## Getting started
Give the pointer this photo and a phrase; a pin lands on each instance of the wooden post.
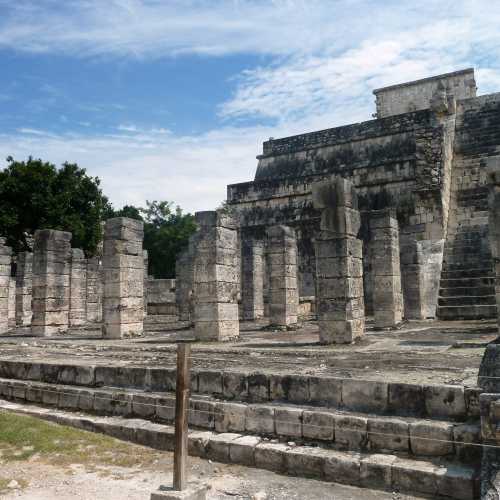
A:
(181, 416)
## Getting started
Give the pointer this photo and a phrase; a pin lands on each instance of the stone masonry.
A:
(51, 282)
(145, 257)
(94, 289)
(12, 302)
(252, 291)
(184, 282)
(5, 266)
(215, 277)
(282, 270)
(339, 264)
(494, 221)
(24, 288)
(123, 270)
(387, 294)
(78, 288)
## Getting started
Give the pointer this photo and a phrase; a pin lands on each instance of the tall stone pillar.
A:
(413, 278)
(215, 277)
(12, 302)
(387, 294)
(123, 270)
(145, 257)
(339, 263)
(184, 282)
(24, 288)
(493, 167)
(51, 282)
(78, 288)
(5, 269)
(282, 270)
(94, 290)
(252, 290)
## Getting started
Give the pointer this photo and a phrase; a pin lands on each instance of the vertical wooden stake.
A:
(181, 416)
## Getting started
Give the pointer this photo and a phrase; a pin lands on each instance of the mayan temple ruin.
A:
(342, 308)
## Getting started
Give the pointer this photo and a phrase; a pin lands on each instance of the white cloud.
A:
(325, 58)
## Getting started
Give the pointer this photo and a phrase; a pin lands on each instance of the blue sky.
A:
(172, 100)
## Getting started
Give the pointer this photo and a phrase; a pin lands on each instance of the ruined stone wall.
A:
(24, 288)
(401, 162)
(413, 96)
(161, 297)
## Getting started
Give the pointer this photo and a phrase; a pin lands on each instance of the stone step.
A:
(340, 429)
(466, 312)
(478, 282)
(480, 272)
(466, 300)
(450, 402)
(459, 291)
(467, 261)
(371, 470)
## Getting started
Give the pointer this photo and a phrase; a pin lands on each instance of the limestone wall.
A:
(413, 96)
(161, 297)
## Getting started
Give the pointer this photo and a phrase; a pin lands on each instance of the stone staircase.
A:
(398, 437)
(467, 279)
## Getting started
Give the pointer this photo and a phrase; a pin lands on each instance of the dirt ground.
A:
(42, 466)
(419, 352)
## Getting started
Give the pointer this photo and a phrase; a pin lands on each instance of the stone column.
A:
(184, 282)
(413, 277)
(123, 270)
(339, 263)
(252, 290)
(215, 277)
(51, 282)
(145, 258)
(94, 290)
(282, 270)
(12, 303)
(78, 289)
(387, 294)
(493, 169)
(5, 269)
(24, 288)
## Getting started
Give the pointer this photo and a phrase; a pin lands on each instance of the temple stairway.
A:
(467, 278)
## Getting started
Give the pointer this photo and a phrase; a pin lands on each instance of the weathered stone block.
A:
(242, 450)
(260, 420)
(318, 425)
(363, 395)
(388, 434)
(288, 422)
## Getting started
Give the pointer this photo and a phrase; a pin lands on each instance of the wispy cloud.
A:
(323, 58)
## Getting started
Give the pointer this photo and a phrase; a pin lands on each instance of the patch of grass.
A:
(22, 437)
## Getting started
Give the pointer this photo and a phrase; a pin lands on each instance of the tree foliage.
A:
(36, 195)
(166, 233)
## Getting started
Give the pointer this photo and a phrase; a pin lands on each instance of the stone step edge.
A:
(434, 401)
(385, 472)
(418, 437)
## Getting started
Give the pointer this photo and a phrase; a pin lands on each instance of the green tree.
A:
(36, 195)
(166, 234)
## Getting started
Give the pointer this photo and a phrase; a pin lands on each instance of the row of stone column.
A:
(56, 287)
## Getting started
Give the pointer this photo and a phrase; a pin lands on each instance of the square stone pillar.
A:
(387, 294)
(282, 270)
(493, 169)
(145, 257)
(78, 289)
(252, 290)
(123, 270)
(339, 263)
(184, 272)
(94, 290)
(215, 277)
(12, 302)
(24, 288)
(5, 269)
(51, 282)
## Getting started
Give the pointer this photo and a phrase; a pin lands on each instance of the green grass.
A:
(22, 437)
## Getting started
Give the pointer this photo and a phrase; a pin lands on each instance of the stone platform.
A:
(419, 352)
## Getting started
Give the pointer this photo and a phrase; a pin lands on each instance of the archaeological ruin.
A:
(343, 308)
